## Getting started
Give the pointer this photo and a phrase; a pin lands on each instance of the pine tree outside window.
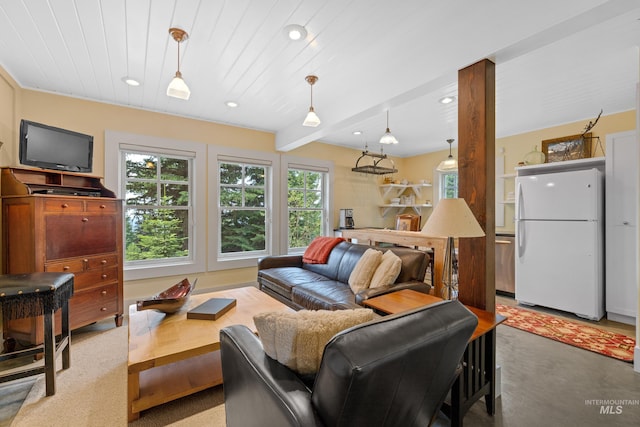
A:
(306, 203)
(243, 209)
(157, 207)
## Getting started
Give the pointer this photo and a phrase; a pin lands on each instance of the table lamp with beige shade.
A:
(451, 218)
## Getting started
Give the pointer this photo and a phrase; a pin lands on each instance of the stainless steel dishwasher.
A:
(505, 264)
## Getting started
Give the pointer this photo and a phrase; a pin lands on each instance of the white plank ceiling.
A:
(556, 61)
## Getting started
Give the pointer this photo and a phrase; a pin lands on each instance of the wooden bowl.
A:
(169, 300)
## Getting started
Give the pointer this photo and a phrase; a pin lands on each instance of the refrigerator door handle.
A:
(518, 201)
(519, 230)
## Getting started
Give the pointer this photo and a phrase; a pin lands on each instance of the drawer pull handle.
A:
(103, 309)
(65, 205)
(103, 293)
(102, 206)
(103, 262)
(66, 268)
(85, 219)
(104, 276)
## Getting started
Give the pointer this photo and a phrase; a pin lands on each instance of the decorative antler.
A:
(591, 124)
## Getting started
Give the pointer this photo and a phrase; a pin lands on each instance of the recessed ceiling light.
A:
(231, 104)
(295, 32)
(447, 100)
(130, 81)
(357, 132)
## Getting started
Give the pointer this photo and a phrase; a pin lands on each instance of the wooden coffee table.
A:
(478, 378)
(171, 356)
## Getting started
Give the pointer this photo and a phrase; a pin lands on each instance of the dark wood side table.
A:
(479, 360)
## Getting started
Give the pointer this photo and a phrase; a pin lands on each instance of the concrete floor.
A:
(548, 383)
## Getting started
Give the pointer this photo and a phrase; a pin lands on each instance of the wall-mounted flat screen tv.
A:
(49, 147)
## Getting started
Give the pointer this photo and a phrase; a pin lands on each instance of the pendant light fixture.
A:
(387, 138)
(312, 119)
(449, 164)
(178, 88)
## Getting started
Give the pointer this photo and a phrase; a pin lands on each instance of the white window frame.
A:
(215, 154)
(438, 182)
(324, 166)
(117, 142)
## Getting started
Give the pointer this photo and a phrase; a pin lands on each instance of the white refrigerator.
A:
(560, 241)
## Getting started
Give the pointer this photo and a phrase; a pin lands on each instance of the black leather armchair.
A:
(393, 371)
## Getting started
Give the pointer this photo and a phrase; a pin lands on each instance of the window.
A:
(448, 185)
(157, 208)
(305, 199)
(307, 205)
(162, 202)
(241, 204)
(243, 213)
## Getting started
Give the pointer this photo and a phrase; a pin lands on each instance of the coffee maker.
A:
(346, 218)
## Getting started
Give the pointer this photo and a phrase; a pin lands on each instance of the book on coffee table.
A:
(211, 309)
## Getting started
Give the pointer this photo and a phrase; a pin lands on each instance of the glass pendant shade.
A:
(387, 138)
(178, 88)
(312, 119)
(448, 165)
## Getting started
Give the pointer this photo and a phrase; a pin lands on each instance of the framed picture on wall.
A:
(572, 147)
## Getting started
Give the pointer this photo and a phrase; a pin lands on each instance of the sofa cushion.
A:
(349, 260)
(297, 339)
(281, 280)
(387, 271)
(414, 264)
(330, 269)
(327, 295)
(360, 277)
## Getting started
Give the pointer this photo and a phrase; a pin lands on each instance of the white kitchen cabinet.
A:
(621, 167)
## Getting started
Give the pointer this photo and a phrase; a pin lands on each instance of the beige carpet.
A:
(93, 392)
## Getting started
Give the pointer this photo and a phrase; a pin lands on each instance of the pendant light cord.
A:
(178, 57)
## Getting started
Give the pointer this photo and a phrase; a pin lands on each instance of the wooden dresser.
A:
(63, 222)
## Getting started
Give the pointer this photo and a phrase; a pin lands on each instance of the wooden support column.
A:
(476, 181)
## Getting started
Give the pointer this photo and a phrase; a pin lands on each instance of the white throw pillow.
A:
(362, 273)
(297, 339)
(388, 270)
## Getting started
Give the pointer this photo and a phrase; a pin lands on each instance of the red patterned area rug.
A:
(584, 336)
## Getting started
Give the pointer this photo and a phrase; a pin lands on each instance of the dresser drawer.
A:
(76, 235)
(106, 206)
(69, 266)
(102, 262)
(92, 278)
(64, 205)
(89, 306)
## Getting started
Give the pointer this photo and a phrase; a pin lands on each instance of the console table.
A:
(63, 222)
(479, 360)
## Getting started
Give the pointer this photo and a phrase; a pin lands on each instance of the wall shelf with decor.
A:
(390, 191)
